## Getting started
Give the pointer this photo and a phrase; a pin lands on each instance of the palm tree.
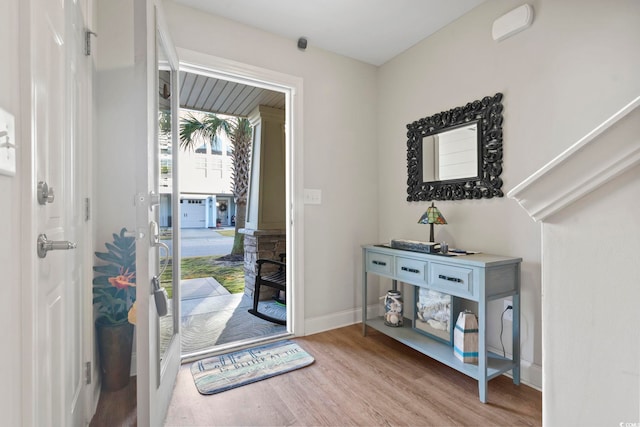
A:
(240, 137)
(239, 131)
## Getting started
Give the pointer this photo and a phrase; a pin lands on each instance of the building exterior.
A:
(206, 200)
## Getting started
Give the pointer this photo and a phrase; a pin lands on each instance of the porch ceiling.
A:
(210, 94)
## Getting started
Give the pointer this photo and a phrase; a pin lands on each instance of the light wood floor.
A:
(357, 380)
(116, 408)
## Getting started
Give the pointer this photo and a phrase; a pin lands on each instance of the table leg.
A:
(364, 293)
(516, 339)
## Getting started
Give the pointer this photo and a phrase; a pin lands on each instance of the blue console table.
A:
(475, 277)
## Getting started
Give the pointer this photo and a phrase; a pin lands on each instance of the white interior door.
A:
(156, 97)
(57, 95)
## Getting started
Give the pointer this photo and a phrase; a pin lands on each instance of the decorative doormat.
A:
(226, 371)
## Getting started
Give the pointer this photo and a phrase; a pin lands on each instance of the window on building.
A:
(216, 145)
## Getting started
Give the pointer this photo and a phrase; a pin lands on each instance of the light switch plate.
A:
(7, 143)
(312, 197)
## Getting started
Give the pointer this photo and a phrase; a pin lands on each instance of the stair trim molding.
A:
(607, 151)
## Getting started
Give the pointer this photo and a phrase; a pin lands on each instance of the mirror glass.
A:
(452, 154)
(456, 154)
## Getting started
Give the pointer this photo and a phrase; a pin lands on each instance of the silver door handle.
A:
(45, 245)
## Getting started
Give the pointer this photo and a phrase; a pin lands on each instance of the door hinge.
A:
(87, 209)
(87, 41)
(87, 372)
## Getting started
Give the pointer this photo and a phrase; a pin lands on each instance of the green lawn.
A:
(228, 233)
(231, 277)
(165, 233)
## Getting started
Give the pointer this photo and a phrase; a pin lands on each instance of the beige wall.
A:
(10, 223)
(576, 66)
(340, 156)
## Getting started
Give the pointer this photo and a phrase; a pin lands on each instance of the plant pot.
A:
(115, 343)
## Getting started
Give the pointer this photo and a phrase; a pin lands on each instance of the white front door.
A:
(155, 106)
(222, 211)
(56, 98)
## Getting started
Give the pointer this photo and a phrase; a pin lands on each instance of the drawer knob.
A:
(410, 270)
(450, 279)
(376, 262)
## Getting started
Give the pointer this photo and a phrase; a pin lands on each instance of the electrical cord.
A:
(504, 354)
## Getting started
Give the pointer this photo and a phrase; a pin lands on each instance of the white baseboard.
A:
(530, 373)
(327, 322)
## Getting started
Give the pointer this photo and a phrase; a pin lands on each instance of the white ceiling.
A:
(372, 31)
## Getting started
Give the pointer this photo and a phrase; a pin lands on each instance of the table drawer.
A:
(411, 271)
(452, 279)
(380, 263)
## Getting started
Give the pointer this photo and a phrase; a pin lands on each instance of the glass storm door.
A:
(158, 332)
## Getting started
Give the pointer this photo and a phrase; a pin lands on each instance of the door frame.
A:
(292, 86)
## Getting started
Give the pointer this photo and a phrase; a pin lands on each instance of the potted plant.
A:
(114, 296)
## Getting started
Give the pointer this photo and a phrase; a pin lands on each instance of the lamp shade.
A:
(432, 216)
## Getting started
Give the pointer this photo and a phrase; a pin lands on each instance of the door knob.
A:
(45, 194)
(45, 245)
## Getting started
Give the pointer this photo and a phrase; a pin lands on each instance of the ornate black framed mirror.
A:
(456, 154)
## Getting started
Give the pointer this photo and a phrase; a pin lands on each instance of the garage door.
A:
(193, 213)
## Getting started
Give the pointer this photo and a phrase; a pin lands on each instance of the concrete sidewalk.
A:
(201, 288)
(196, 295)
